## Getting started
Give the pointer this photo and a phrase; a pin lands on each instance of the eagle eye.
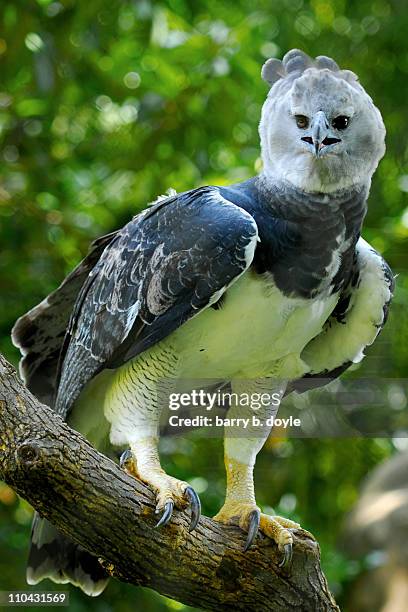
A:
(340, 122)
(302, 121)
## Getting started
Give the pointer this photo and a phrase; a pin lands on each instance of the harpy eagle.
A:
(266, 281)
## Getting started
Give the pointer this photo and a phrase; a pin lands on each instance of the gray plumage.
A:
(40, 332)
(302, 86)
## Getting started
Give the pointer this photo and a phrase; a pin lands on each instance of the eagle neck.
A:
(317, 236)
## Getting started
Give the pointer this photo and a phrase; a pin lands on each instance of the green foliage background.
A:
(106, 104)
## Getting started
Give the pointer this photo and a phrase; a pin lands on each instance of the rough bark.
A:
(90, 499)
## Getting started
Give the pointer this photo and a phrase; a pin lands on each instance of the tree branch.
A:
(91, 500)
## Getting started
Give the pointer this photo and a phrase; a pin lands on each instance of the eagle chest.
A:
(255, 328)
(315, 255)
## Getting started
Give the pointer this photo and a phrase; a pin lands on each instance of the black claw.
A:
(195, 507)
(287, 555)
(125, 457)
(254, 519)
(166, 516)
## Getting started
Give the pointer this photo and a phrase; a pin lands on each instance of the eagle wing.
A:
(354, 324)
(165, 266)
(40, 332)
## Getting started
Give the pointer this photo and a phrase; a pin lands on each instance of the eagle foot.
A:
(191, 498)
(127, 462)
(170, 492)
(250, 519)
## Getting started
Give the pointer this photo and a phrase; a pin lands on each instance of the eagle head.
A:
(319, 129)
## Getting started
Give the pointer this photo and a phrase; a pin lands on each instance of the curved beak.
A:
(320, 134)
(320, 127)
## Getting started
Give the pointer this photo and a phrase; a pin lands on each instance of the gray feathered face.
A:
(319, 129)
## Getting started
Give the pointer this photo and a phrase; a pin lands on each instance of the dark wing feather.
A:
(161, 269)
(363, 305)
(40, 332)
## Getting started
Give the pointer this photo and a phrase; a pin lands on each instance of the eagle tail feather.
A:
(54, 556)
